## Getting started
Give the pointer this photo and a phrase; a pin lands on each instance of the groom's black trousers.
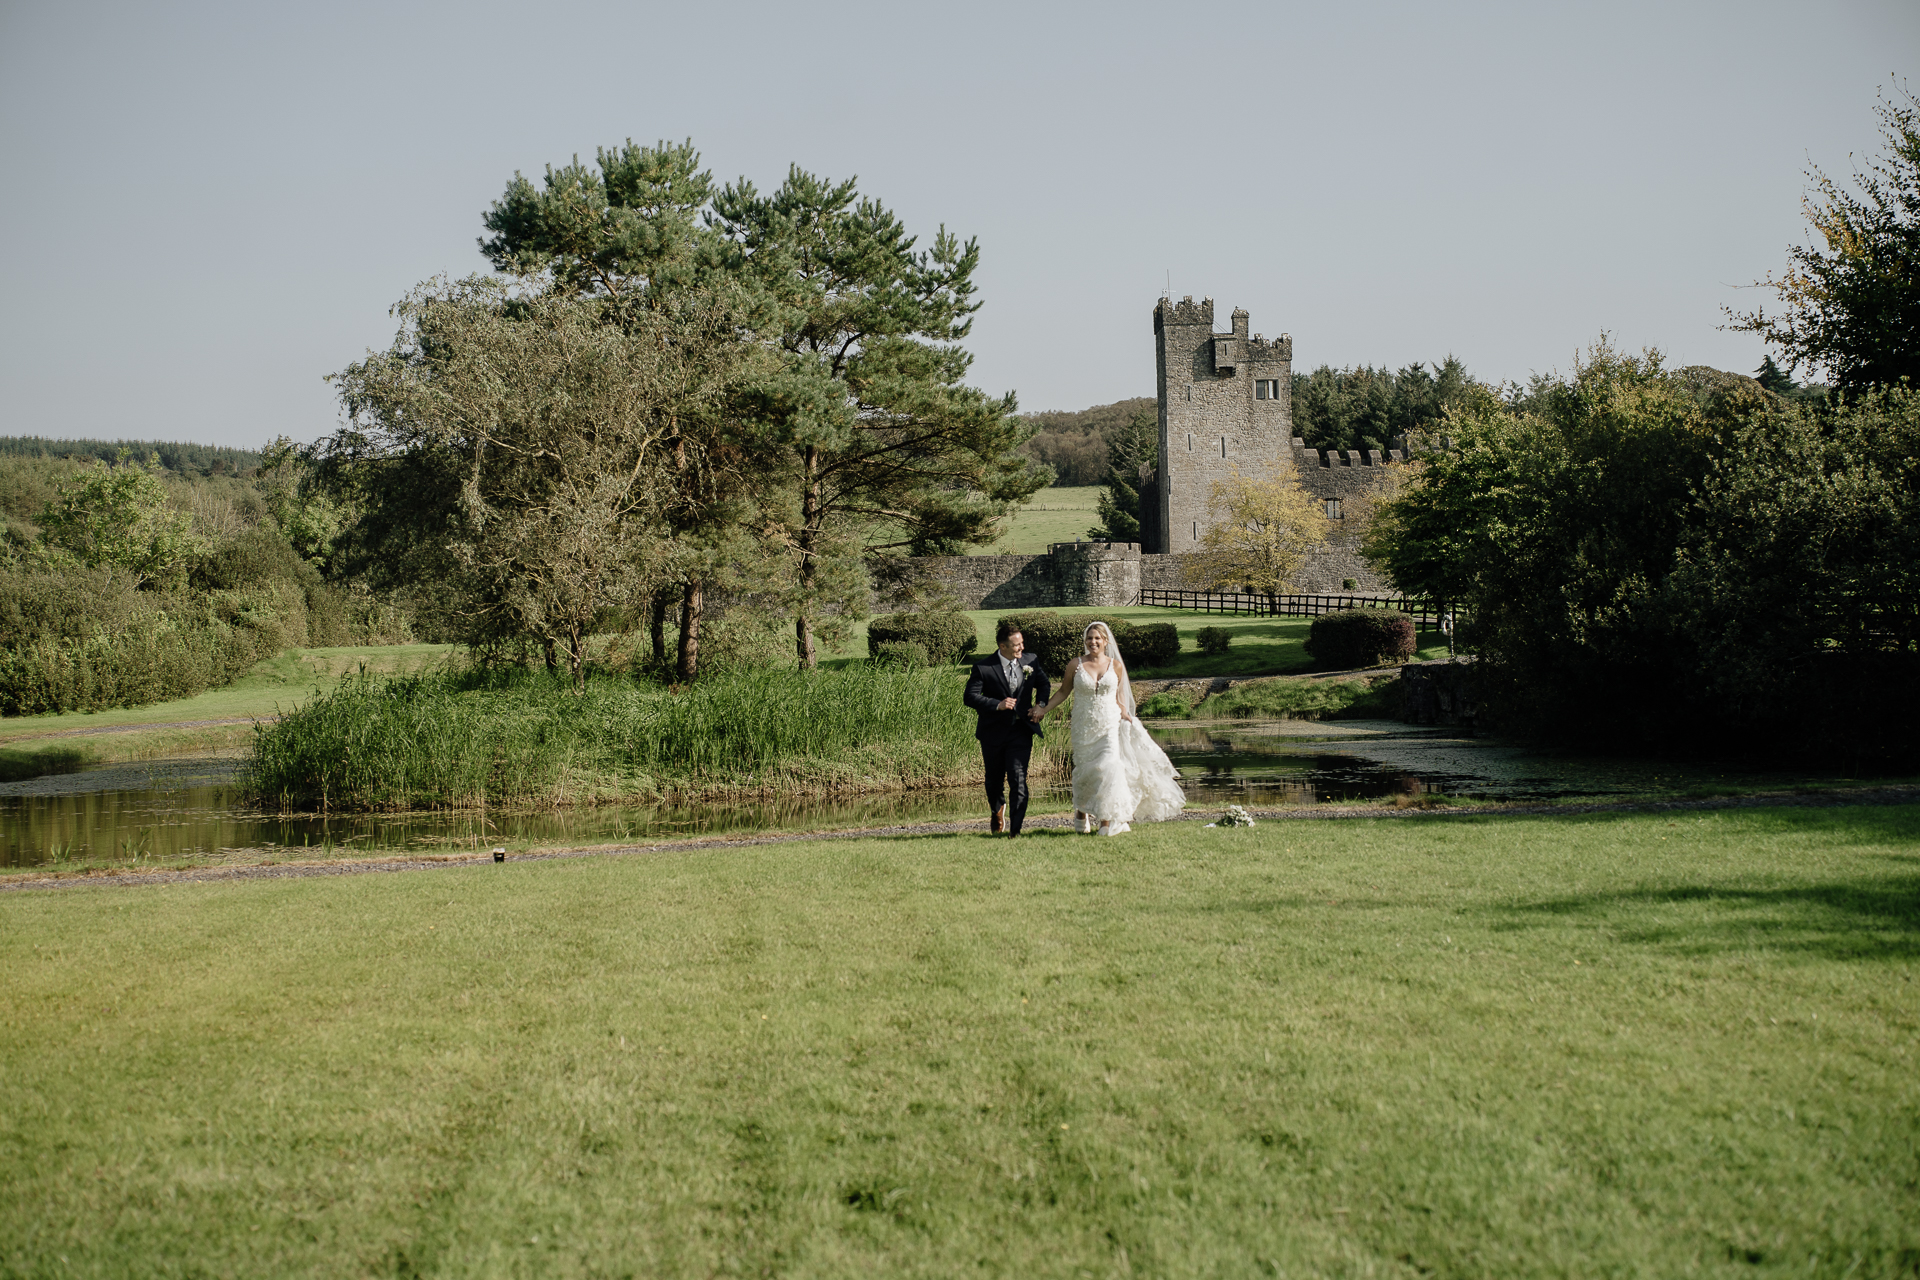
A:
(1006, 762)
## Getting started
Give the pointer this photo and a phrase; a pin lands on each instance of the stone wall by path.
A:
(1113, 574)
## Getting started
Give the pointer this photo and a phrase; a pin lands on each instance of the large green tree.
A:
(863, 419)
(1556, 519)
(1129, 502)
(1850, 303)
(885, 447)
(531, 453)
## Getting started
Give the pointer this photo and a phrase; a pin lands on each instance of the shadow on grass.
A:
(1876, 919)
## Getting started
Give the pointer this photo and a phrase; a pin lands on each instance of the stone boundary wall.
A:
(1113, 574)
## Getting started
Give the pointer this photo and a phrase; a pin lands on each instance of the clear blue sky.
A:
(209, 207)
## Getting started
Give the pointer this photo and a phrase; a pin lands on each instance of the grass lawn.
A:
(1059, 514)
(1261, 646)
(1609, 1044)
(273, 685)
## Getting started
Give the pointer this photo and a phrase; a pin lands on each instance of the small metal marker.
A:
(499, 855)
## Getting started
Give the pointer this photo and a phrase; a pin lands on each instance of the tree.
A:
(1850, 304)
(884, 446)
(1133, 452)
(863, 414)
(1367, 408)
(1263, 532)
(1555, 520)
(1774, 378)
(1796, 578)
(118, 516)
(534, 453)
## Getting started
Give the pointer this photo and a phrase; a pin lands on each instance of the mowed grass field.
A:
(1656, 1044)
(33, 745)
(1060, 514)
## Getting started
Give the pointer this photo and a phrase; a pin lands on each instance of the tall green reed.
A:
(474, 738)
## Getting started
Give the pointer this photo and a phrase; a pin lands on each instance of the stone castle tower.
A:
(1226, 403)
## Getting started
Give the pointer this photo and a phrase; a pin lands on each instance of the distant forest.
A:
(185, 459)
(1359, 408)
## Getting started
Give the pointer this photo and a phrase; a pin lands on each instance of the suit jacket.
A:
(987, 687)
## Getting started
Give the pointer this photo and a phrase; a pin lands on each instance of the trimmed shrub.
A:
(900, 655)
(1214, 640)
(1360, 638)
(1147, 645)
(947, 637)
(1053, 640)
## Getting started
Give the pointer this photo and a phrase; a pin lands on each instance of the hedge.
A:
(1055, 639)
(948, 637)
(1360, 638)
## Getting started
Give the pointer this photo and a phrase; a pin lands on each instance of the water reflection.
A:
(168, 810)
(200, 820)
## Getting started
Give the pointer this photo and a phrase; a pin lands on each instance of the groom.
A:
(1002, 691)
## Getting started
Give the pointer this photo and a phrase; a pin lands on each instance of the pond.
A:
(166, 810)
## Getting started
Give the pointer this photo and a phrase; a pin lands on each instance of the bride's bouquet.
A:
(1235, 816)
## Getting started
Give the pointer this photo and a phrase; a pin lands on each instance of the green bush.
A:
(1360, 638)
(1214, 640)
(1052, 639)
(1283, 698)
(947, 636)
(1056, 639)
(1147, 645)
(1169, 705)
(900, 655)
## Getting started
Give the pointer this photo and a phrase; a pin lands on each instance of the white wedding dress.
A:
(1120, 774)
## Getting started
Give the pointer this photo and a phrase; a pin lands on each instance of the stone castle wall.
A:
(1226, 406)
(1113, 574)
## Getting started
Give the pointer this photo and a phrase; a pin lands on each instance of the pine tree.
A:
(1773, 377)
(1131, 454)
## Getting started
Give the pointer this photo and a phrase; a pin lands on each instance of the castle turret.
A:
(1226, 404)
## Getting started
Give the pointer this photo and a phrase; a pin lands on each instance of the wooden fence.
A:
(1426, 614)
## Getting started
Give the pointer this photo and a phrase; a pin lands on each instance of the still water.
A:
(165, 810)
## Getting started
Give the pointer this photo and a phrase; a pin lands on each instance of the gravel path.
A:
(1059, 822)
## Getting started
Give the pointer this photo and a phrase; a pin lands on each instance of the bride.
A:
(1120, 775)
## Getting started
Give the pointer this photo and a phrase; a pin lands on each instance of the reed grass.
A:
(470, 739)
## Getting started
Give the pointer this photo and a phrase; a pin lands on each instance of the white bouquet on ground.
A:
(1235, 816)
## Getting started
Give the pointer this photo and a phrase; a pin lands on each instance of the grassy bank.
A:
(469, 739)
(31, 746)
(1469, 1047)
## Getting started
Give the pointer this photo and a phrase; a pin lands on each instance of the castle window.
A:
(1189, 442)
(1223, 446)
(1196, 531)
(1189, 390)
(1266, 389)
(1333, 509)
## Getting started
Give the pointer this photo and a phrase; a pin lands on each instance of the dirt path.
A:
(131, 728)
(1050, 824)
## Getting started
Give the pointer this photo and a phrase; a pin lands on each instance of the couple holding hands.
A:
(1120, 775)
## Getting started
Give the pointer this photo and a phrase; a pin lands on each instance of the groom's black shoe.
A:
(999, 819)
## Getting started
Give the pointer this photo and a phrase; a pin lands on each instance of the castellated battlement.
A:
(1226, 409)
(1185, 311)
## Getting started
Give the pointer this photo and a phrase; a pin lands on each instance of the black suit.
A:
(1006, 737)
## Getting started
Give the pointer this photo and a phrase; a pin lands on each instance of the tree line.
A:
(1684, 558)
(131, 581)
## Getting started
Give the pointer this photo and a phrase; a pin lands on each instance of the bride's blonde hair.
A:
(1125, 691)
